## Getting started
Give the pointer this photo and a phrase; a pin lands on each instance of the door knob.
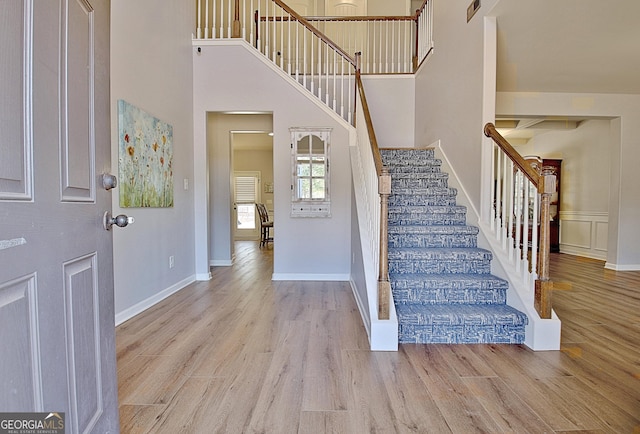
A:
(119, 220)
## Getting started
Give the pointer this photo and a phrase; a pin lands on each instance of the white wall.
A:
(585, 182)
(151, 68)
(388, 8)
(392, 103)
(449, 91)
(624, 192)
(224, 79)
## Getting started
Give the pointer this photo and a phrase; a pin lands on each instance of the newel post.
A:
(384, 287)
(235, 31)
(544, 286)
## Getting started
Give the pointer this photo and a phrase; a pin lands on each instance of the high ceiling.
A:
(574, 46)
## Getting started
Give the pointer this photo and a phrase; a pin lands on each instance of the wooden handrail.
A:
(364, 18)
(315, 31)
(377, 158)
(529, 172)
(545, 185)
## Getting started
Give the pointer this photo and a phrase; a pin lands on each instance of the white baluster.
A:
(222, 18)
(504, 203)
(244, 21)
(342, 87)
(351, 89)
(494, 194)
(326, 68)
(199, 29)
(311, 64)
(213, 23)
(386, 47)
(230, 19)
(534, 235)
(511, 210)
(259, 34)
(304, 57)
(525, 230)
(335, 83)
(274, 44)
(282, 39)
(289, 46)
(297, 56)
(251, 9)
(519, 203)
(267, 31)
(320, 69)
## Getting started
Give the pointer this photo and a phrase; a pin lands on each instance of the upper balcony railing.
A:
(290, 42)
(389, 44)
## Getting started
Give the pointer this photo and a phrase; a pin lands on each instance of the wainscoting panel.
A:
(584, 233)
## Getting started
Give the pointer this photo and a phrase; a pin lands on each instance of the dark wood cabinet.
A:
(554, 205)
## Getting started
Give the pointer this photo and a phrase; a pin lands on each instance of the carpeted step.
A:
(413, 180)
(425, 197)
(432, 236)
(438, 261)
(427, 215)
(460, 324)
(448, 288)
(409, 155)
(427, 166)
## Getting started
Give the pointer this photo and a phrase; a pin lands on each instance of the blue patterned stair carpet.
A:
(442, 284)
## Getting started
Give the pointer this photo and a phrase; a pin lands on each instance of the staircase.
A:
(441, 281)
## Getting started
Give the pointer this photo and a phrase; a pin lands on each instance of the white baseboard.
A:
(154, 299)
(625, 267)
(203, 277)
(361, 308)
(220, 263)
(318, 277)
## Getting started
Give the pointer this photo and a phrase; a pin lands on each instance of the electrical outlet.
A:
(172, 261)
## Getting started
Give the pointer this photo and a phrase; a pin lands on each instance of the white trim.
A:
(304, 276)
(624, 267)
(220, 263)
(151, 301)
(361, 308)
(203, 277)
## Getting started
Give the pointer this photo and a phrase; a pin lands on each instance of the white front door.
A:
(56, 267)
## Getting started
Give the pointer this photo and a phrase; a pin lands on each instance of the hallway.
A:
(241, 353)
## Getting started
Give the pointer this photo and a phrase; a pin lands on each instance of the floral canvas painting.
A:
(145, 157)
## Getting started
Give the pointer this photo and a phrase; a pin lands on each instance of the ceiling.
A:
(573, 46)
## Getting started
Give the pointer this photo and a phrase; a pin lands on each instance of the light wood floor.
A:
(243, 354)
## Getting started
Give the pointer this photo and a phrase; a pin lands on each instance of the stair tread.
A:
(438, 252)
(429, 209)
(450, 280)
(459, 314)
(434, 229)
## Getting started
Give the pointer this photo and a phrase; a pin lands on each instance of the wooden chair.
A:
(265, 224)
